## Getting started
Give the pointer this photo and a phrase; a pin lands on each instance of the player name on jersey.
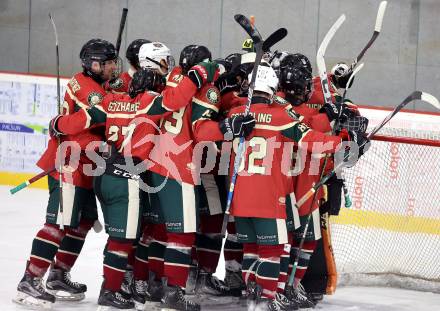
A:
(260, 117)
(123, 106)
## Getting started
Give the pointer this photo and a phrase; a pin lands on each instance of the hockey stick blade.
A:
(430, 99)
(54, 29)
(320, 61)
(330, 34)
(246, 24)
(377, 29)
(416, 95)
(380, 15)
(274, 38)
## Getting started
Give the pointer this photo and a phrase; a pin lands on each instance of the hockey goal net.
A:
(391, 234)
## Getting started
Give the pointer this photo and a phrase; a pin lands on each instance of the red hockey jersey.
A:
(82, 92)
(175, 149)
(263, 183)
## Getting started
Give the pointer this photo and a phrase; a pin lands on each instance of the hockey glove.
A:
(203, 73)
(144, 80)
(333, 111)
(237, 126)
(354, 153)
(53, 131)
(342, 75)
(227, 82)
(361, 140)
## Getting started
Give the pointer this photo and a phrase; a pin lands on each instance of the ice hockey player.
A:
(51, 244)
(149, 264)
(207, 112)
(259, 199)
(156, 57)
(122, 82)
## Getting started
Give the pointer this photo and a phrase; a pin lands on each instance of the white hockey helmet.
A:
(266, 80)
(151, 55)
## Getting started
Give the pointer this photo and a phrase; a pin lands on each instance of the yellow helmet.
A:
(248, 45)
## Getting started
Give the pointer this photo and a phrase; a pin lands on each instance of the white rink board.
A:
(27, 103)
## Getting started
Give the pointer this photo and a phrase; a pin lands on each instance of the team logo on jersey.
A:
(116, 84)
(213, 95)
(280, 101)
(177, 78)
(94, 98)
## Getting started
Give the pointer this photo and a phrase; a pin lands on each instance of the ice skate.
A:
(234, 280)
(139, 292)
(126, 287)
(61, 286)
(174, 299)
(155, 290)
(207, 284)
(31, 293)
(109, 300)
(288, 304)
(191, 282)
(299, 296)
(266, 304)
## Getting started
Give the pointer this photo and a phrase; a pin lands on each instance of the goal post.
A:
(391, 234)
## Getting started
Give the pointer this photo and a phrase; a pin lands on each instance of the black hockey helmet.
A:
(132, 53)
(296, 81)
(296, 60)
(96, 50)
(234, 59)
(192, 55)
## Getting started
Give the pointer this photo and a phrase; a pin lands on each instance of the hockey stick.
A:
(377, 29)
(272, 39)
(247, 25)
(60, 167)
(416, 95)
(320, 62)
(121, 29)
(30, 181)
(348, 203)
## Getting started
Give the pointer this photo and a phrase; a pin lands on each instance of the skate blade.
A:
(147, 306)
(31, 302)
(66, 296)
(207, 300)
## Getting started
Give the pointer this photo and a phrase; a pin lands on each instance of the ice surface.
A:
(22, 215)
